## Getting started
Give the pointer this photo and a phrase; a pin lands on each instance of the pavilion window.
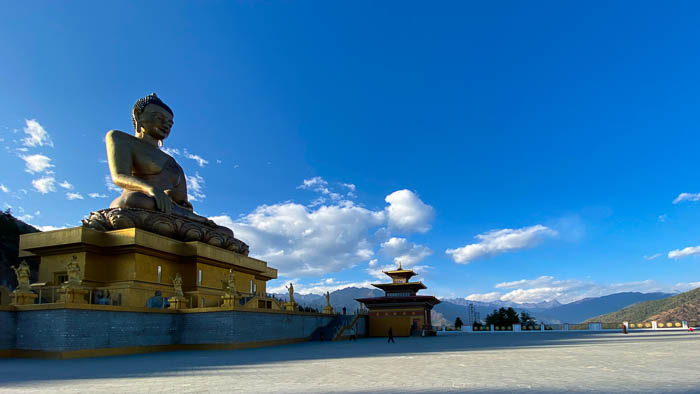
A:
(160, 273)
(199, 277)
(251, 286)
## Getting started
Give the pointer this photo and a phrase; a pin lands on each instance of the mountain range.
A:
(683, 306)
(451, 308)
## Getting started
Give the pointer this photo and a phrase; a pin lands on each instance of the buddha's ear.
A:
(135, 115)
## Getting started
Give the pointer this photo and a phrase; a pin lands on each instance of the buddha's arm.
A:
(119, 157)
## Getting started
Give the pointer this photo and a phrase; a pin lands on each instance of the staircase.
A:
(349, 326)
(330, 331)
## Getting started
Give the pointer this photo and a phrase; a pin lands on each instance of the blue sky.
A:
(505, 151)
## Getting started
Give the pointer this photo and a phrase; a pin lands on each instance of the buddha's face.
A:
(156, 121)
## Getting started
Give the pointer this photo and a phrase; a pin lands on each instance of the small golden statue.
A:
(328, 309)
(177, 286)
(73, 270)
(291, 305)
(22, 272)
(229, 298)
(155, 187)
(290, 288)
(178, 300)
(23, 294)
(231, 283)
(71, 292)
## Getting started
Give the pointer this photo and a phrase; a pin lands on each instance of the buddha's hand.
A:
(163, 202)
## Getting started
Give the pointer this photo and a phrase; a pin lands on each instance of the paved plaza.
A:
(486, 362)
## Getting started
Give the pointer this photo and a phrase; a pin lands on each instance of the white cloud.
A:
(171, 151)
(96, 195)
(407, 213)
(308, 242)
(66, 185)
(44, 185)
(4, 188)
(324, 237)
(687, 197)
(686, 286)
(500, 241)
(320, 287)
(74, 196)
(195, 187)
(25, 218)
(109, 184)
(36, 163)
(404, 252)
(679, 253)
(319, 185)
(548, 288)
(49, 228)
(652, 257)
(487, 297)
(542, 280)
(199, 159)
(663, 218)
(36, 134)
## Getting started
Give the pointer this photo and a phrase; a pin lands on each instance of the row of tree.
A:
(503, 317)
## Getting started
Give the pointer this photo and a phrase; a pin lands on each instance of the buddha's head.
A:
(151, 116)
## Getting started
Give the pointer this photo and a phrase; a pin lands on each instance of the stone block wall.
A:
(238, 326)
(58, 330)
(7, 329)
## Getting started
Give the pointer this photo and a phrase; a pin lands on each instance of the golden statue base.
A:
(171, 226)
(178, 302)
(327, 310)
(72, 295)
(133, 264)
(229, 301)
(23, 297)
(291, 306)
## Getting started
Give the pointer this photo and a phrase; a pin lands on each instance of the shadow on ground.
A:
(21, 371)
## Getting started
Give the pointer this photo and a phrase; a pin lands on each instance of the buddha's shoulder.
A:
(118, 135)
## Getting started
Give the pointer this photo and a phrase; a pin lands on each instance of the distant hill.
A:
(10, 230)
(339, 298)
(450, 309)
(552, 311)
(684, 306)
(581, 310)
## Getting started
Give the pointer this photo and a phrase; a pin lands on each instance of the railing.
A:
(503, 328)
(581, 326)
(96, 296)
(669, 324)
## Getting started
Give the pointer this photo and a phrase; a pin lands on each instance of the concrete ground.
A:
(487, 362)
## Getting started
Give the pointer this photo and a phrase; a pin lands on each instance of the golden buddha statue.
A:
(155, 187)
(151, 179)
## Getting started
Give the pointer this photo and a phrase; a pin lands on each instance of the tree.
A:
(526, 319)
(503, 317)
(458, 323)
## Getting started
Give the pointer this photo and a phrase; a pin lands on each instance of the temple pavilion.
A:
(400, 308)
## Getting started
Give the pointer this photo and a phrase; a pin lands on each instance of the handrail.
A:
(352, 323)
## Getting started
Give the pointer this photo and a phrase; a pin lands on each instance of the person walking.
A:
(391, 336)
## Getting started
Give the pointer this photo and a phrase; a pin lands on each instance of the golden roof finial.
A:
(400, 267)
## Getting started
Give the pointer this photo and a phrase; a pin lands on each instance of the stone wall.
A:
(238, 326)
(76, 329)
(60, 330)
(7, 329)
